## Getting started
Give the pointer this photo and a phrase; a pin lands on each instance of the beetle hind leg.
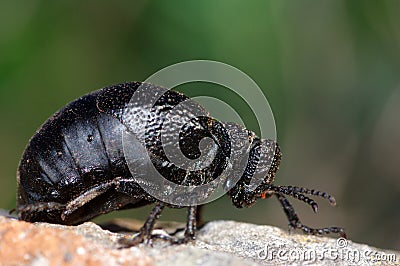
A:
(29, 212)
(295, 223)
(40, 206)
(86, 197)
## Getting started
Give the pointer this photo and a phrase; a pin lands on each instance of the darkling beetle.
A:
(74, 168)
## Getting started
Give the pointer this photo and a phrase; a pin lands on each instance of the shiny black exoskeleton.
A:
(74, 167)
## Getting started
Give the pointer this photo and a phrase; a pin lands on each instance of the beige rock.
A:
(218, 243)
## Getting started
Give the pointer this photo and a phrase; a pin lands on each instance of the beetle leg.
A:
(294, 221)
(190, 230)
(146, 229)
(289, 211)
(24, 211)
(87, 196)
(40, 206)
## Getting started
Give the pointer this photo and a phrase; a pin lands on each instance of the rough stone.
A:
(218, 243)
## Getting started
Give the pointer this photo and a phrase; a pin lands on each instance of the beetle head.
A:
(262, 163)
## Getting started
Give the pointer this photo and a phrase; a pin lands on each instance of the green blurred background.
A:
(330, 70)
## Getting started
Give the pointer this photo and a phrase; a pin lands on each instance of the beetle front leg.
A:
(295, 223)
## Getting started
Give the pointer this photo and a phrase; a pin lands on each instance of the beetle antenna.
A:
(295, 194)
(312, 192)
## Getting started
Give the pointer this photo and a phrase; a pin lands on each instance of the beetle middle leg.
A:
(191, 226)
(146, 229)
(145, 233)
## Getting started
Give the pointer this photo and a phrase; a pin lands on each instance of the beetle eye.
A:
(90, 138)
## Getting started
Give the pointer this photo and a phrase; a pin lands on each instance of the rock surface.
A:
(218, 243)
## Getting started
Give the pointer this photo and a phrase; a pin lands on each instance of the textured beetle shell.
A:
(80, 147)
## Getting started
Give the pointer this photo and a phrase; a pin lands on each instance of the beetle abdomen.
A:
(75, 149)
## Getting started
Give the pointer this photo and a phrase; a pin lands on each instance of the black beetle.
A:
(74, 167)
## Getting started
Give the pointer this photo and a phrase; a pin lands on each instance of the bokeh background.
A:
(330, 69)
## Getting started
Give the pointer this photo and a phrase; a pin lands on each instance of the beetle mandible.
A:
(74, 167)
